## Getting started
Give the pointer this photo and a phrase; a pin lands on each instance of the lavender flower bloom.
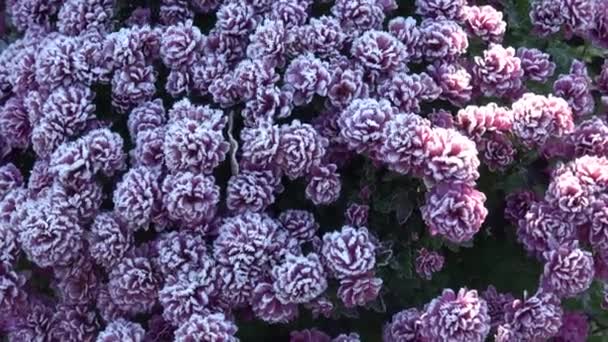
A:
(443, 39)
(546, 16)
(73, 323)
(32, 14)
(252, 75)
(109, 240)
(359, 15)
(578, 15)
(267, 307)
(250, 191)
(403, 327)
(537, 118)
(405, 139)
(428, 262)
(517, 205)
(441, 8)
(137, 197)
(300, 147)
(105, 151)
(14, 123)
(461, 316)
(122, 330)
(300, 224)
(498, 72)
(69, 108)
(293, 13)
(568, 194)
(406, 31)
(193, 146)
(172, 12)
(180, 250)
(485, 22)
(10, 249)
(324, 184)
(536, 64)
(266, 104)
(212, 118)
(224, 90)
(48, 236)
(407, 91)
(211, 327)
(181, 45)
(10, 178)
(451, 157)
(323, 36)
(363, 122)
(454, 81)
(299, 279)
(349, 252)
(77, 16)
(496, 305)
(205, 71)
(309, 335)
(190, 199)
(236, 18)
(148, 151)
(378, 51)
(259, 146)
(575, 328)
(134, 285)
(576, 89)
(13, 296)
(454, 211)
(307, 76)
(35, 324)
(55, 65)
(146, 116)
(357, 215)
(359, 291)
(132, 86)
(137, 45)
(268, 42)
(568, 271)
(536, 318)
(178, 83)
(543, 225)
(189, 292)
(476, 121)
(497, 151)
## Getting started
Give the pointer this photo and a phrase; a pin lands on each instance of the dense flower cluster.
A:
(168, 171)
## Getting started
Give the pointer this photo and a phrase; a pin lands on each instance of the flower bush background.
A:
(207, 170)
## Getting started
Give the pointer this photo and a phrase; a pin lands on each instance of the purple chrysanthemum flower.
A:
(268, 42)
(356, 215)
(359, 15)
(10, 178)
(537, 118)
(450, 157)
(259, 146)
(442, 39)
(173, 12)
(403, 327)
(322, 36)
(379, 51)
(307, 75)
(15, 126)
(132, 86)
(105, 151)
(461, 316)
(109, 240)
(347, 83)
(178, 83)
(210, 327)
(485, 22)
(74, 323)
(407, 91)
(543, 225)
(536, 64)
(409, 34)
(568, 270)
(250, 191)
(498, 72)
(497, 151)
(293, 13)
(299, 279)
(575, 328)
(236, 18)
(122, 330)
(546, 16)
(454, 81)
(134, 284)
(454, 211)
(451, 9)
(205, 71)
(578, 15)
(69, 109)
(190, 199)
(362, 124)
(405, 139)
(300, 148)
(180, 45)
(349, 252)
(55, 65)
(570, 196)
(146, 116)
(476, 121)
(428, 262)
(267, 307)
(267, 104)
(148, 151)
(180, 250)
(324, 184)
(537, 318)
(576, 89)
(496, 305)
(300, 224)
(252, 75)
(137, 197)
(359, 291)
(77, 16)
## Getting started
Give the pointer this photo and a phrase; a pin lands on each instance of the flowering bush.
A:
(304, 170)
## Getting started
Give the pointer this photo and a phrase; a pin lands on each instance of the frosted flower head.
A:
(236, 18)
(252, 75)
(77, 16)
(568, 271)
(180, 250)
(133, 85)
(134, 285)
(441, 8)
(349, 252)
(485, 22)
(537, 118)
(300, 224)
(70, 108)
(454, 211)
(599, 28)
(122, 330)
(406, 30)
(323, 36)
(408, 91)
(536, 64)
(578, 15)
(14, 123)
(208, 327)
(210, 117)
(259, 146)
(402, 327)
(461, 316)
(451, 157)
(105, 151)
(568, 194)
(148, 115)
(190, 199)
(358, 16)
(205, 71)
(55, 65)
(362, 123)
(267, 104)
(575, 328)
(546, 16)
(10, 178)
(300, 147)
(496, 304)
(355, 292)
(498, 72)
(148, 149)
(137, 197)
(173, 12)
(543, 225)
(454, 81)
(193, 146)
(428, 262)
(267, 307)
(109, 240)
(324, 184)
(536, 318)
(293, 13)
(299, 279)
(73, 323)
(356, 215)
(576, 90)
(307, 76)
(250, 191)
(497, 151)
(443, 39)
(180, 45)
(347, 83)
(405, 139)
(476, 121)
(268, 42)
(378, 51)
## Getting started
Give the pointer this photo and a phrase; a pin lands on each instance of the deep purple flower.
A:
(259, 146)
(267, 307)
(454, 81)
(132, 86)
(546, 16)
(205, 71)
(537, 118)
(357, 16)
(190, 199)
(178, 83)
(180, 45)
(362, 124)
(236, 18)
(268, 42)
(137, 45)
(442, 39)
(250, 191)
(407, 91)
(105, 151)
(211, 327)
(134, 285)
(576, 89)
(13, 297)
(428, 262)
(536, 64)
(347, 83)
(267, 104)
(359, 291)
(148, 149)
(69, 108)
(403, 327)
(10, 207)
(451, 9)
(405, 139)
(349, 252)
(323, 36)
(74, 323)
(450, 157)
(569, 195)
(224, 90)
(409, 34)
(496, 305)
(137, 197)
(575, 328)
(122, 330)
(55, 65)
(77, 16)
(307, 75)
(14, 123)
(497, 151)
(517, 205)
(109, 240)
(293, 13)
(299, 279)
(180, 250)
(300, 224)
(543, 225)
(498, 72)
(461, 316)
(356, 215)
(324, 184)
(378, 51)
(537, 318)
(568, 271)
(578, 15)
(300, 147)
(146, 116)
